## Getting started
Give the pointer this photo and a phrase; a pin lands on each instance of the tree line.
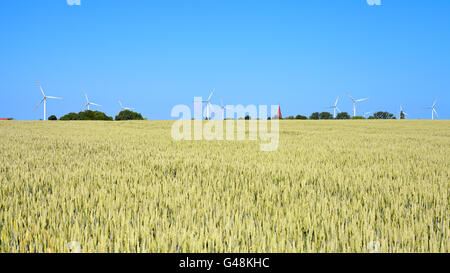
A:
(340, 116)
(97, 115)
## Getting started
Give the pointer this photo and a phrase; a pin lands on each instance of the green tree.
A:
(315, 115)
(52, 117)
(300, 117)
(358, 117)
(93, 115)
(343, 115)
(129, 115)
(70, 116)
(325, 115)
(383, 115)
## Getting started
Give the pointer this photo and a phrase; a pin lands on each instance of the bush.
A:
(358, 117)
(129, 115)
(52, 117)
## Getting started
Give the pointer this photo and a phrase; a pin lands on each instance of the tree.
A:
(247, 117)
(402, 115)
(315, 115)
(52, 117)
(383, 115)
(93, 115)
(300, 117)
(358, 117)
(343, 115)
(86, 115)
(70, 116)
(325, 115)
(289, 117)
(129, 115)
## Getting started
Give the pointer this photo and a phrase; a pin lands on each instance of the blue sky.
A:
(157, 54)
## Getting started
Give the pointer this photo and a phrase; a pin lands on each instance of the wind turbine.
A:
(223, 107)
(402, 112)
(124, 108)
(44, 99)
(366, 114)
(335, 107)
(88, 103)
(433, 109)
(208, 104)
(354, 102)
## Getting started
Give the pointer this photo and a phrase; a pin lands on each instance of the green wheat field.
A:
(332, 186)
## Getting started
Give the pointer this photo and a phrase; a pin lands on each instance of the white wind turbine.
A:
(335, 107)
(208, 104)
(223, 107)
(44, 99)
(88, 103)
(433, 109)
(354, 102)
(401, 111)
(366, 114)
(124, 108)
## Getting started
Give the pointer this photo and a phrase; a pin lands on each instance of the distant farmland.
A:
(332, 186)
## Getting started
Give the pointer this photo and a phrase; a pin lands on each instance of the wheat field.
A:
(332, 186)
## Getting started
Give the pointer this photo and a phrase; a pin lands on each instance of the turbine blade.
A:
(350, 96)
(58, 98)
(85, 95)
(435, 112)
(39, 103)
(42, 90)
(212, 92)
(337, 100)
(91, 103)
(434, 104)
(362, 99)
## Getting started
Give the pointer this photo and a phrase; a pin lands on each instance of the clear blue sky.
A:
(156, 54)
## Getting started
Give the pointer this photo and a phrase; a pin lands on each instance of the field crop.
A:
(332, 186)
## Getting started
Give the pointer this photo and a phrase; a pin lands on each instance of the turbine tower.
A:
(355, 101)
(223, 107)
(433, 110)
(335, 107)
(208, 104)
(44, 99)
(122, 108)
(88, 103)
